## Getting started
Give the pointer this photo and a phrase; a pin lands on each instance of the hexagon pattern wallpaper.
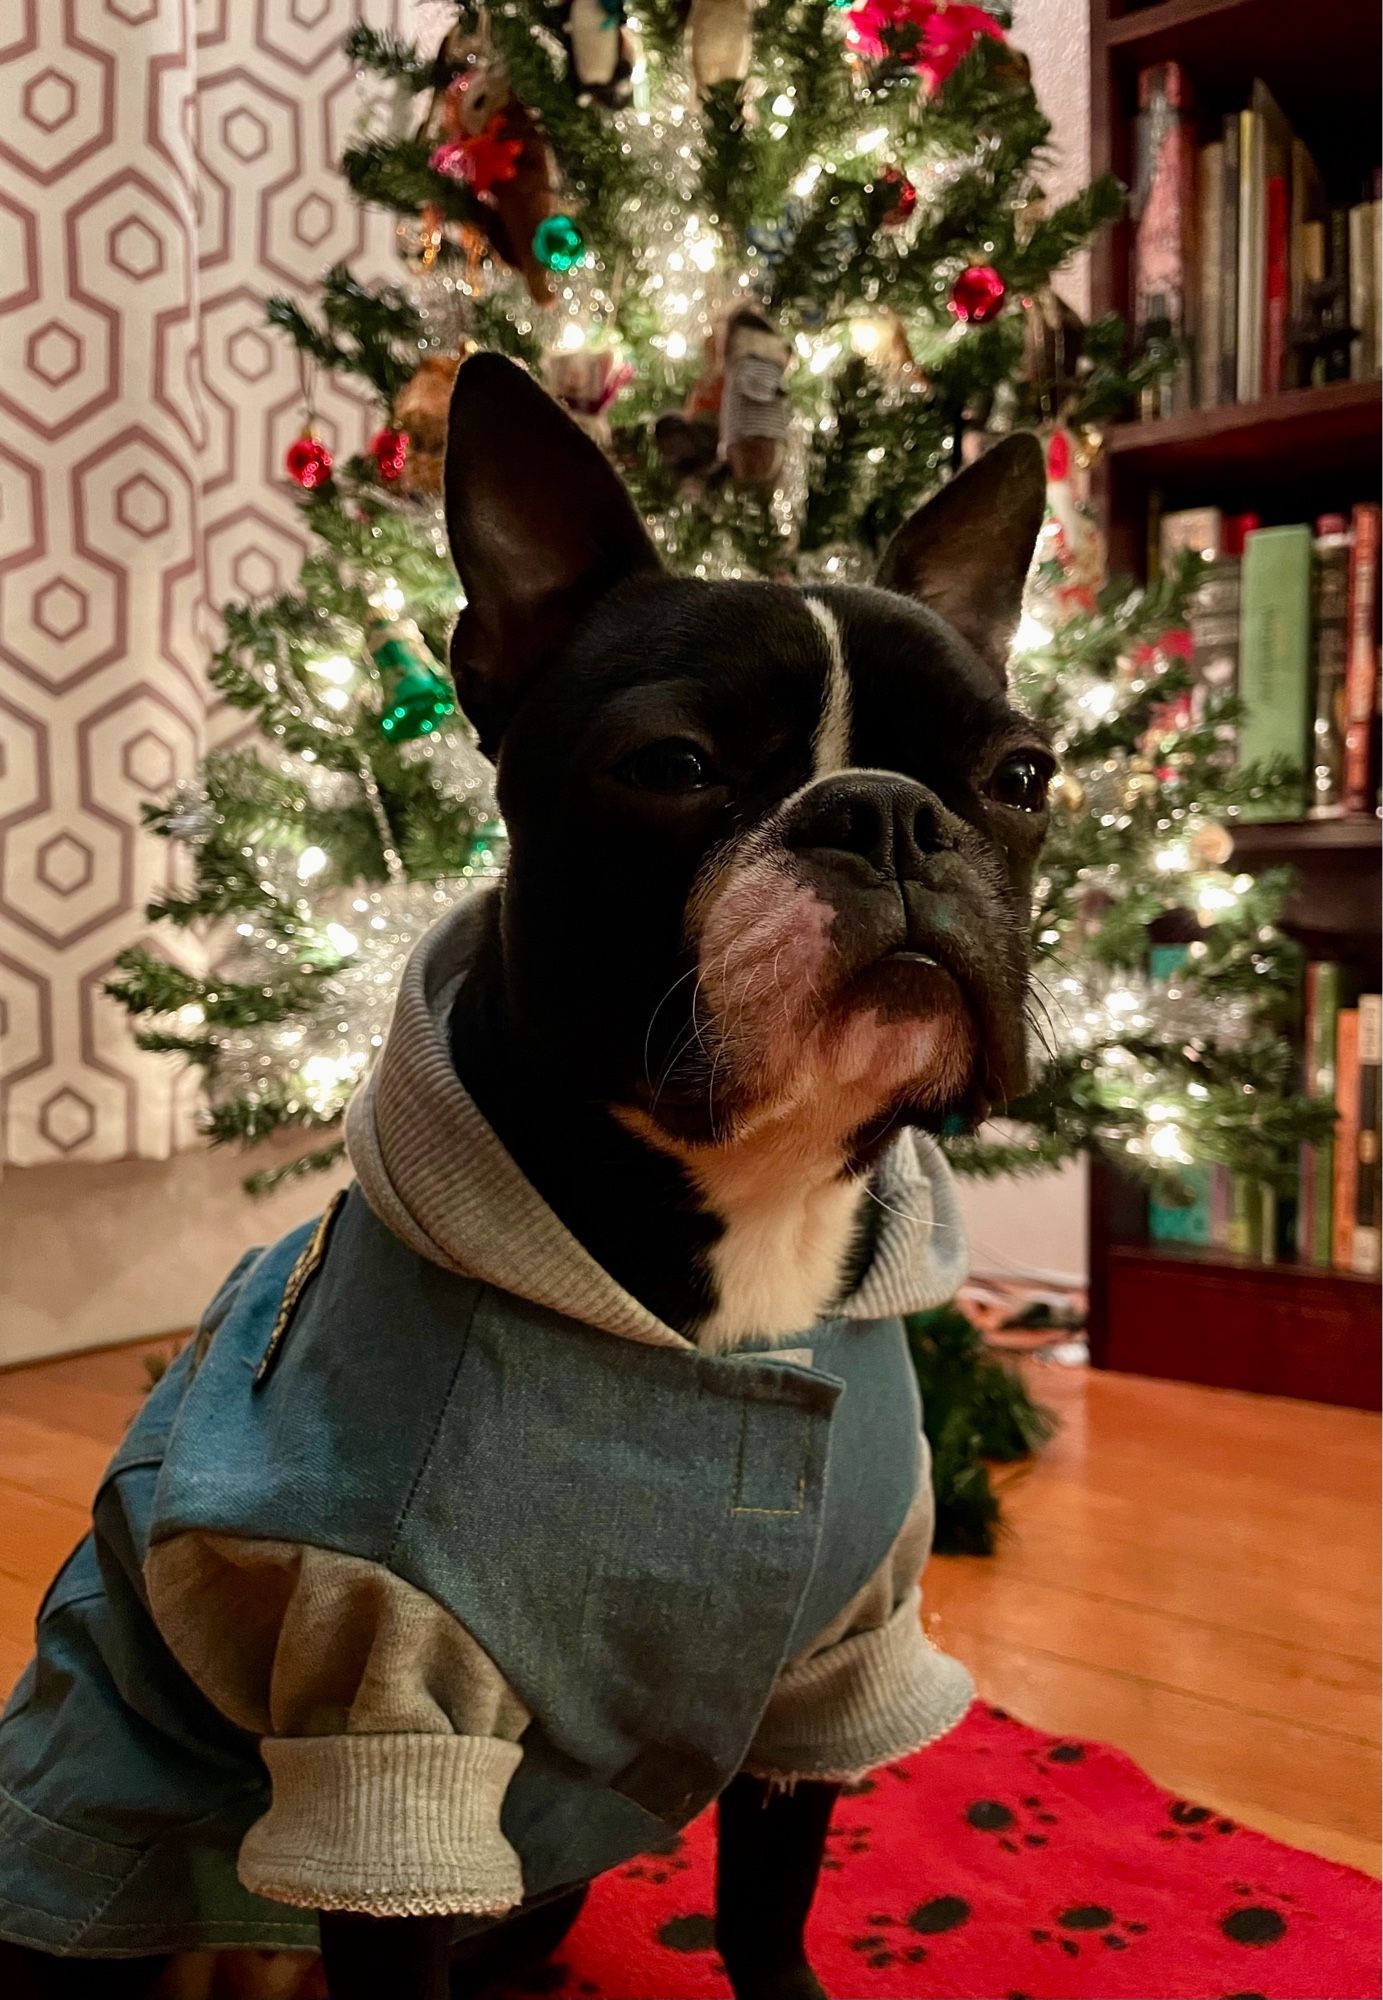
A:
(164, 166)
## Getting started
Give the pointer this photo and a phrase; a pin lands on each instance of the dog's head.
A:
(771, 849)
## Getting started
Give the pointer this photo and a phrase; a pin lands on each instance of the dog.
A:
(567, 1474)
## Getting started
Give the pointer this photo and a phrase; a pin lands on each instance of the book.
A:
(1306, 244)
(1219, 1207)
(1186, 1221)
(1244, 1228)
(1361, 674)
(1324, 986)
(1210, 253)
(1367, 1184)
(1363, 291)
(1337, 356)
(1329, 662)
(1275, 660)
(1346, 1140)
(1252, 198)
(1229, 259)
(1163, 205)
(1276, 209)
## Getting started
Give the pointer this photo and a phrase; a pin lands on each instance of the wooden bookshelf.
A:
(1202, 1315)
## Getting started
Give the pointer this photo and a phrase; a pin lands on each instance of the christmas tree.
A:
(790, 265)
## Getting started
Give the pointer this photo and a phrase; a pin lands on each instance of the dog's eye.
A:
(671, 767)
(1021, 780)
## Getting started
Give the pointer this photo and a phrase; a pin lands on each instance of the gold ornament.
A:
(1141, 785)
(1067, 791)
(1211, 845)
(420, 408)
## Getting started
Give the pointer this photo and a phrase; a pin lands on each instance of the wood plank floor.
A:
(1191, 1575)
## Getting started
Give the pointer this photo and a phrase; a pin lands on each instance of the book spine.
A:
(1361, 679)
(1275, 659)
(1244, 1231)
(1274, 284)
(1367, 1189)
(1249, 359)
(1229, 260)
(1322, 1012)
(1209, 258)
(1363, 291)
(1329, 663)
(1164, 202)
(1343, 1194)
(1219, 1207)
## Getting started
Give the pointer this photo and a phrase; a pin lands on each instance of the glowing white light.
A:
(1214, 896)
(311, 862)
(703, 255)
(1100, 698)
(1031, 634)
(824, 357)
(1166, 1144)
(388, 598)
(1160, 1113)
(573, 336)
(334, 697)
(342, 940)
(676, 346)
(807, 179)
(782, 106)
(1171, 860)
(1242, 884)
(336, 667)
(1197, 1090)
(1121, 1001)
(866, 336)
(868, 141)
(191, 1016)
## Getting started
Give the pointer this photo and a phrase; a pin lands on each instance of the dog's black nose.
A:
(891, 822)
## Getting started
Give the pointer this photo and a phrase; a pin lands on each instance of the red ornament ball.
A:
(902, 196)
(308, 462)
(977, 296)
(389, 449)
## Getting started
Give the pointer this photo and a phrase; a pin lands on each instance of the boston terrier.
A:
(764, 922)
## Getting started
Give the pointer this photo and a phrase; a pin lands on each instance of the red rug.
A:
(1006, 1865)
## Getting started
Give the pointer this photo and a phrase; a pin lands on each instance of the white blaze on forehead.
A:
(831, 743)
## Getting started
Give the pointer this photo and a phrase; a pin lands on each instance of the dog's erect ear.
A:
(966, 551)
(540, 526)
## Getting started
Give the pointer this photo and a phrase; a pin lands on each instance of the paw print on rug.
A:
(660, 1863)
(1085, 1925)
(1252, 1920)
(845, 1838)
(1013, 1828)
(889, 1940)
(1192, 1822)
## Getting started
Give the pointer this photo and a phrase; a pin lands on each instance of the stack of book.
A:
(1334, 1221)
(1240, 262)
(1287, 617)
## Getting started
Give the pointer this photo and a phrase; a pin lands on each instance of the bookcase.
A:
(1205, 1315)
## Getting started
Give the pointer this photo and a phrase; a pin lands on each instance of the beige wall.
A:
(96, 1254)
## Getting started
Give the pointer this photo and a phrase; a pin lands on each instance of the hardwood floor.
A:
(1190, 1574)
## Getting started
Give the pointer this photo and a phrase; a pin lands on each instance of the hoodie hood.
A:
(436, 1174)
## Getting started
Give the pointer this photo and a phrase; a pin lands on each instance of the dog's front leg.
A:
(770, 1844)
(367, 1958)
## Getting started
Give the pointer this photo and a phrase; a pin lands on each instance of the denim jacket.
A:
(410, 1591)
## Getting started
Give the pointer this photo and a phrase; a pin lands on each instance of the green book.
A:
(1275, 658)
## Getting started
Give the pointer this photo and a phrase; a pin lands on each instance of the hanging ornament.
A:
(417, 700)
(1070, 547)
(420, 415)
(389, 449)
(754, 407)
(719, 34)
(688, 440)
(1141, 783)
(586, 381)
(934, 36)
(483, 159)
(601, 52)
(558, 244)
(308, 462)
(977, 296)
(902, 197)
(1053, 345)
(1210, 845)
(1067, 791)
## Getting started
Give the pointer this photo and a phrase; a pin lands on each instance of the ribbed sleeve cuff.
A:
(393, 1826)
(872, 1698)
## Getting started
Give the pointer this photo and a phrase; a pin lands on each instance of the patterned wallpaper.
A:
(163, 167)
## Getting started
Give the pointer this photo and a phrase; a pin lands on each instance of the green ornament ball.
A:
(421, 701)
(558, 244)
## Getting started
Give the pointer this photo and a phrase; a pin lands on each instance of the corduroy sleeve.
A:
(871, 1687)
(389, 1735)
